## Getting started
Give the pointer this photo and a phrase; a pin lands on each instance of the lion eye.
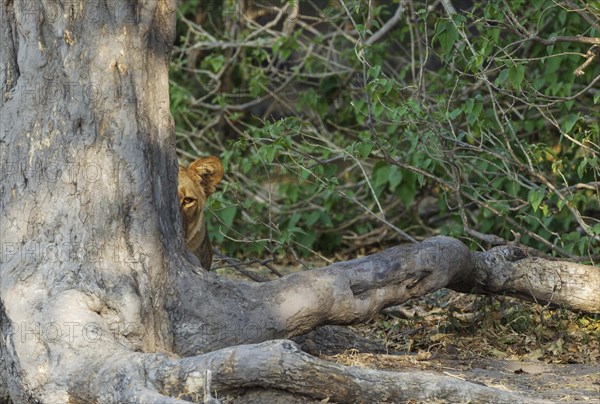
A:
(187, 201)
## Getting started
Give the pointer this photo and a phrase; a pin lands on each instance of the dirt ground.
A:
(556, 382)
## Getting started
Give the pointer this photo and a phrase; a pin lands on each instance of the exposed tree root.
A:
(211, 313)
(510, 270)
(280, 364)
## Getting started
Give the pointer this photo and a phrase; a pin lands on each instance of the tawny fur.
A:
(196, 183)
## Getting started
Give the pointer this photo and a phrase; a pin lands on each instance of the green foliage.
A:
(327, 141)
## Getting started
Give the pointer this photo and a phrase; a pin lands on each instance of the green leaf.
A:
(294, 220)
(382, 174)
(216, 62)
(447, 35)
(374, 71)
(476, 62)
(407, 190)
(581, 167)
(456, 112)
(502, 77)
(268, 152)
(448, 39)
(292, 191)
(312, 217)
(562, 17)
(582, 244)
(306, 240)
(329, 171)
(569, 122)
(364, 149)
(535, 198)
(227, 215)
(246, 165)
(513, 188)
(516, 75)
(395, 177)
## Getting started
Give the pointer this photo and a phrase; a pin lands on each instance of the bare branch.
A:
(556, 39)
(389, 25)
(590, 55)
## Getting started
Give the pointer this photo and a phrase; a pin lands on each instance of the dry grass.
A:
(468, 326)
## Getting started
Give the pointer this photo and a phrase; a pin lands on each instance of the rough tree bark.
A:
(97, 300)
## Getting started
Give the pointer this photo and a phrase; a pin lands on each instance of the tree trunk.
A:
(97, 301)
(88, 190)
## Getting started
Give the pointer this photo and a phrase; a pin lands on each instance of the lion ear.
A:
(210, 172)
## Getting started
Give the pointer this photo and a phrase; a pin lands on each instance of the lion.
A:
(196, 183)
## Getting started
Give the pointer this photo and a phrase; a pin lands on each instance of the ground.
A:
(556, 382)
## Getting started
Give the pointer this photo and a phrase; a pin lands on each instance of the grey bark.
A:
(276, 363)
(97, 302)
(353, 291)
(88, 188)
(512, 271)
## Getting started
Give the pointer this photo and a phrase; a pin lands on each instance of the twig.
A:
(594, 186)
(590, 55)
(555, 39)
(391, 23)
(290, 21)
(448, 6)
(239, 266)
(581, 11)
(488, 238)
